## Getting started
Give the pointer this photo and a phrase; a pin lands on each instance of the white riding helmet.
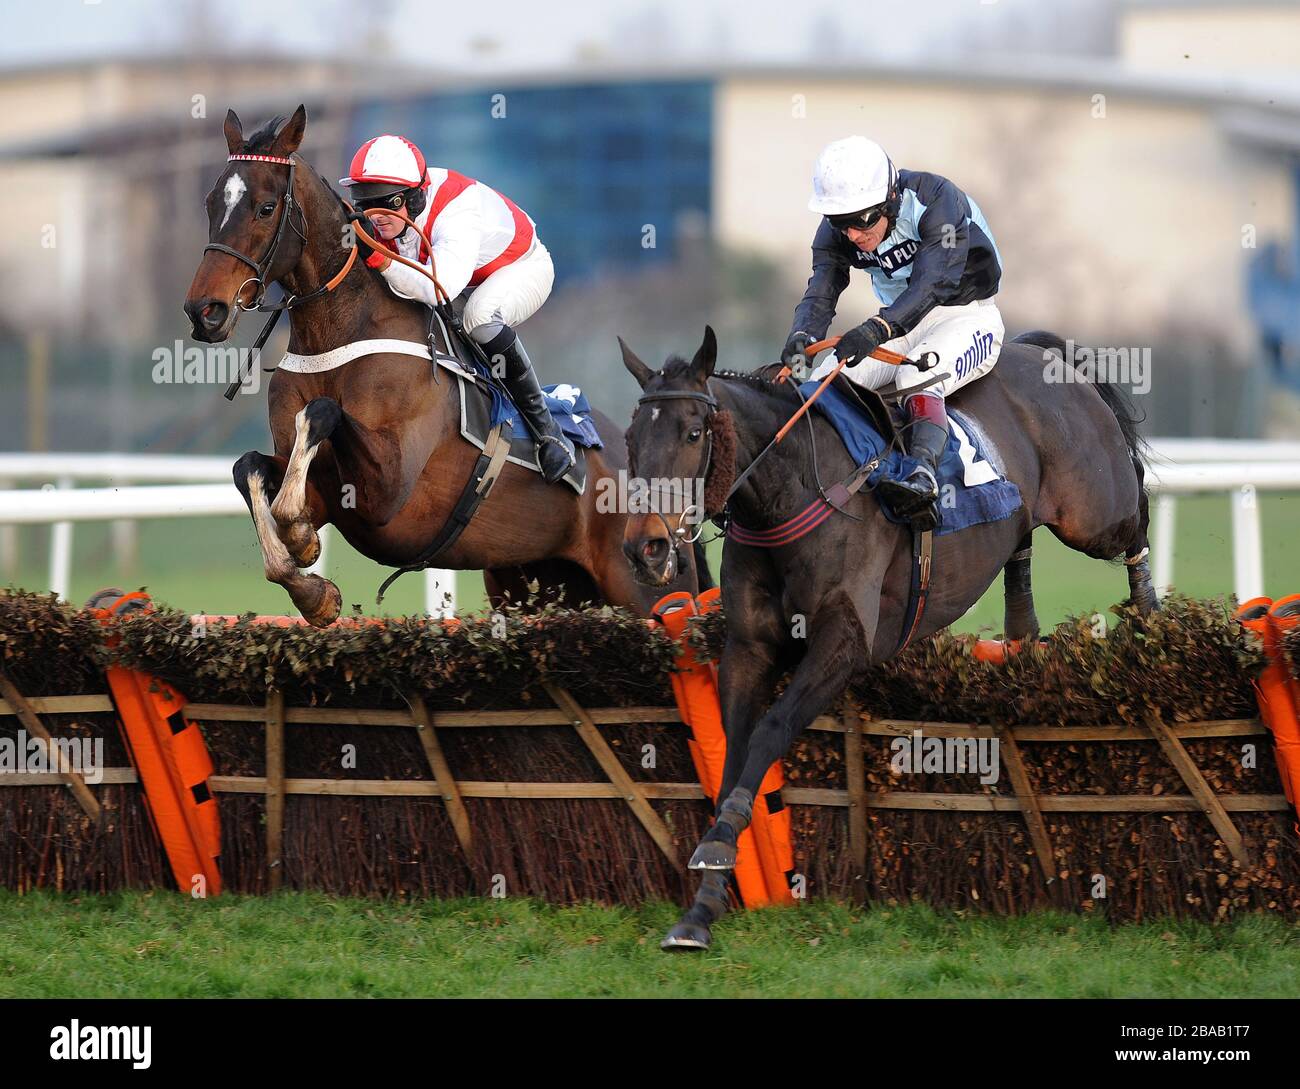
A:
(850, 175)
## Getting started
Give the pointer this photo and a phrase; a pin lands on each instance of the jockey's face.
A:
(389, 227)
(867, 240)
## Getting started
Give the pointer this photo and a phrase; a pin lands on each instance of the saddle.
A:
(883, 407)
(478, 397)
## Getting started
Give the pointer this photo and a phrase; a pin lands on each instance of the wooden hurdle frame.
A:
(853, 724)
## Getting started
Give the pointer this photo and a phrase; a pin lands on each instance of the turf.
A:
(160, 944)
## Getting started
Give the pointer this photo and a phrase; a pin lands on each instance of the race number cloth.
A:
(972, 487)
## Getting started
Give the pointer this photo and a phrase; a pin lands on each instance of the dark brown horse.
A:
(828, 604)
(373, 446)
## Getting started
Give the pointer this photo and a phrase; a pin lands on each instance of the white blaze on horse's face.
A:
(235, 188)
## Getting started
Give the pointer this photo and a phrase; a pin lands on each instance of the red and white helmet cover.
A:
(387, 158)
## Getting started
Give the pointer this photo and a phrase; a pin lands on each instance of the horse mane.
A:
(263, 136)
(761, 379)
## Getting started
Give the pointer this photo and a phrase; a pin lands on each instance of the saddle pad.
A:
(970, 472)
(482, 408)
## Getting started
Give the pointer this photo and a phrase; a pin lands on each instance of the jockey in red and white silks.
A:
(485, 251)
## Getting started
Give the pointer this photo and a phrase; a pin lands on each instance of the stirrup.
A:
(564, 444)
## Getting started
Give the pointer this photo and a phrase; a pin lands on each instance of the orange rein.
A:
(379, 247)
(882, 354)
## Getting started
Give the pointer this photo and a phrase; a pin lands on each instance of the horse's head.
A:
(682, 457)
(256, 226)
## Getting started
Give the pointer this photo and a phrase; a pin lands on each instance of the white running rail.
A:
(177, 486)
(60, 505)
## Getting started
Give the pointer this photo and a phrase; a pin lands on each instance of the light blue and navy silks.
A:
(971, 489)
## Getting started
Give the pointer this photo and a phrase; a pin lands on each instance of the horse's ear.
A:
(290, 134)
(707, 357)
(234, 132)
(635, 367)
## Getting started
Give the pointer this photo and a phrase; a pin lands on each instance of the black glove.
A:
(363, 221)
(794, 347)
(859, 342)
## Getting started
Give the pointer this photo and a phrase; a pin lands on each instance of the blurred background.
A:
(1137, 162)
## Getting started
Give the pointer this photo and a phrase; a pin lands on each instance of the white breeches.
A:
(510, 295)
(967, 340)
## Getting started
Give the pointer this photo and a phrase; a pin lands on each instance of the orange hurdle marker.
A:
(765, 850)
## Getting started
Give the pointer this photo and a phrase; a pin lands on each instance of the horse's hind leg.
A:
(313, 425)
(258, 477)
(1019, 619)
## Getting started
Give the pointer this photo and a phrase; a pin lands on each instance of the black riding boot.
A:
(555, 453)
(916, 496)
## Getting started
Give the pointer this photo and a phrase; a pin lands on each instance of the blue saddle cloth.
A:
(568, 406)
(975, 490)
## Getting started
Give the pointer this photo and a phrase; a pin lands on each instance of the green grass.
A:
(161, 944)
(213, 565)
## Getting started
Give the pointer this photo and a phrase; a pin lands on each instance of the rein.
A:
(262, 268)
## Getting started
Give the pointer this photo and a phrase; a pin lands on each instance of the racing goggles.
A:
(862, 221)
(390, 203)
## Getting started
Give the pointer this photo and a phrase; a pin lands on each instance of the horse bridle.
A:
(677, 534)
(722, 518)
(263, 267)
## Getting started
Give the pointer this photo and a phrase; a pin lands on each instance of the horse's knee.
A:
(249, 465)
(322, 417)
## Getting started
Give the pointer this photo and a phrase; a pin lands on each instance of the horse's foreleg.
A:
(837, 647)
(748, 675)
(1019, 619)
(257, 478)
(1140, 588)
(313, 425)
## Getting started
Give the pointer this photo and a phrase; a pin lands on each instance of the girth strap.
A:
(918, 591)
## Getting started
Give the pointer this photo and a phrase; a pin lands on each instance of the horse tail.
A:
(1116, 399)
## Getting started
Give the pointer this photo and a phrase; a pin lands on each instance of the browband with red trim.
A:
(260, 159)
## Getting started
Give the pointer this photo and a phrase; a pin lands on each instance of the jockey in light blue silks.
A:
(935, 267)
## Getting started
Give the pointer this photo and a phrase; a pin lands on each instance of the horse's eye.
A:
(694, 435)
(265, 209)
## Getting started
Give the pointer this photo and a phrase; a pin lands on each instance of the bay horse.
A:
(824, 606)
(373, 446)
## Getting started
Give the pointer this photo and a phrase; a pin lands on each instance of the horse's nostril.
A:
(654, 548)
(213, 315)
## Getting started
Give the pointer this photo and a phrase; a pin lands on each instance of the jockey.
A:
(935, 266)
(485, 250)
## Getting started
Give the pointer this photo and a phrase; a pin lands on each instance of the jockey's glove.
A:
(795, 348)
(859, 342)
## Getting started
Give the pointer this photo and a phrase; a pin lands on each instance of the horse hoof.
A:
(324, 603)
(686, 938)
(303, 543)
(713, 855)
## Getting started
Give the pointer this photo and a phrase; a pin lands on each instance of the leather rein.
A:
(262, 268)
